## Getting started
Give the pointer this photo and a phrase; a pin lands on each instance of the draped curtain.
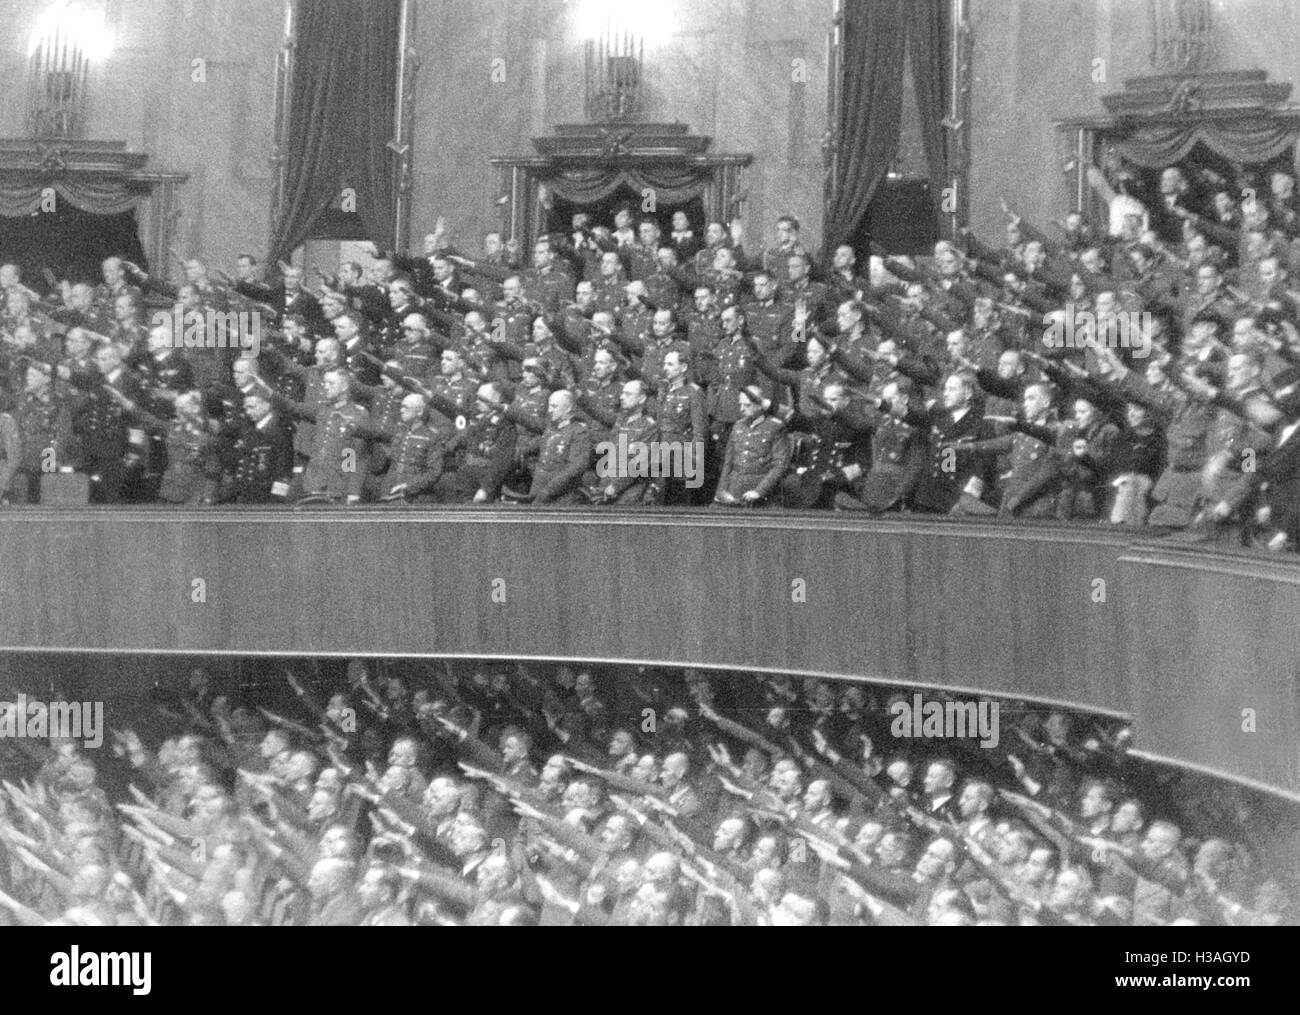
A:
(671, 184)
(20, 197)
(871, 110)
(928, 48)
(342, 100)
(1246, 141)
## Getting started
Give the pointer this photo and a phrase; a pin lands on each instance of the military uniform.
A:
(101, 434)
(563, 459)
(898, 458)
(1219, 303)
(43, 422)
(287, 304)
(385, 406)
(842, 288)
(836, 441)
(414, 357)
(772, 326)
(940, 488)
(758, 454)
(702, 262)
(1030, 488)
(642, 262)
(598, 401)
(732, 368)
(726, 284)
(812, 295)
(354, 355)
(487, 453)
(635, 326)
(682, 420)
(703, 332)
(549, 287)
(637, 431)
(530, 403)
(484, 360)
(1187, 428)
(168, 372)
(1084, 477)
(611, 294)
(776, 260)
(652, 358)
(451, 393)
(193, 468)
(312, 380)
(391, 333)
(415, 455)
(663, 290)
(262, 463)
(516, 321)
(337, 466)
(807, 383)
(106, 295)
(559, 361)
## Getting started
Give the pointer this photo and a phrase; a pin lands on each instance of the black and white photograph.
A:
(602, 463)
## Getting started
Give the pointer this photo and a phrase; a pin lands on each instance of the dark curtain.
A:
(875, 37)
(70, 241)
(342, 99)
(928, 47)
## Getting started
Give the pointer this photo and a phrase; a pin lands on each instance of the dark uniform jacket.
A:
(1035, 468)
(171, 372)
(43, 422)
(261, 463)
(946, 475)
(487, 453)
(898, 458)
(1186, 423)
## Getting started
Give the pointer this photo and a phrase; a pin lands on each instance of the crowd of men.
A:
(1144, 378)
(440, 794)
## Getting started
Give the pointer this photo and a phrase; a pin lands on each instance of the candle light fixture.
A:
(66, 42)
(616, 34)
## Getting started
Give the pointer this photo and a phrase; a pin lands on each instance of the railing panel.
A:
(1182, 641)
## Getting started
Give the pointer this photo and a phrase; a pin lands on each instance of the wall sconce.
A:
(616, 34)
(67, 39)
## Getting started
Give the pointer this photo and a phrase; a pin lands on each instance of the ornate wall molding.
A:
(613, 151)
(99, 176)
